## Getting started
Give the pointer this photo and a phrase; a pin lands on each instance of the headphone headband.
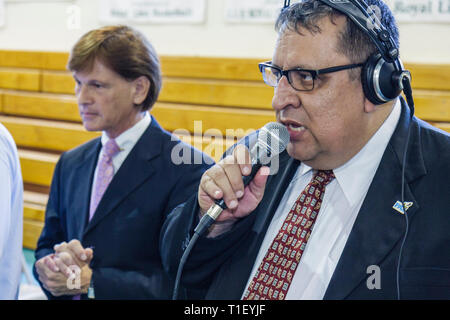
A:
(360, 13)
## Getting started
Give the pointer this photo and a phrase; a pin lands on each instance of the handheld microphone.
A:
(272, 140)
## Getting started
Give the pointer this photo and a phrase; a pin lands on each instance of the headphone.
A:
(383, 76)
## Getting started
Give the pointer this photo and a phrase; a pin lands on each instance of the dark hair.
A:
(353, 42)
(122, 49)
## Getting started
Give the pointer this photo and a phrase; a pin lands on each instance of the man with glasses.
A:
(336, 230)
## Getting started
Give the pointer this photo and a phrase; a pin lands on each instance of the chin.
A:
(300, 153)
(291, 150)
(91, 127)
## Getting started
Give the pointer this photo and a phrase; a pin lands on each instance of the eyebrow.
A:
(91, 81)
(297, 66)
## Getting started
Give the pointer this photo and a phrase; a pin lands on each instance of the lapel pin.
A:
(398, 206)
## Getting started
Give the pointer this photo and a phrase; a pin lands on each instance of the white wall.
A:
(42, 25)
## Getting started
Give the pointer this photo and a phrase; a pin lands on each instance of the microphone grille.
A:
(273, 137)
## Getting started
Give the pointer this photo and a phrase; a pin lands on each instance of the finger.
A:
(254, 193)
(77, 249)
(42, 276)
(40, 266)
(44, 284)
(242, 157)
(50, 263)
(233, 172)
(74, 247)
(208, 191)
(210, 188)
(89, 253)
(64, 262)
(52, 287)
(65, 257)
(215, 183)
(69, 257)
(258, 184)
(60, 247)
(219, 174)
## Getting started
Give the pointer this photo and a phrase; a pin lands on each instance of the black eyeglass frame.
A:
(314, 73)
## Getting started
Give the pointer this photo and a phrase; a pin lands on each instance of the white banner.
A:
(2, 13)
(252, 11)
(266, 11)
(420, 10)
(152, 11)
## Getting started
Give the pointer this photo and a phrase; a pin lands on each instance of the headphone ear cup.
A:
(377, 80)
(367, 80)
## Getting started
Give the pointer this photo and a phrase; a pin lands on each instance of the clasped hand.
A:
(67, 271)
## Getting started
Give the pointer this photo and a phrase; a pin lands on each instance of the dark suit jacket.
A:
(222, 266)
(124, 231)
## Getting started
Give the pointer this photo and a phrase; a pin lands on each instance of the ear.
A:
(369, 107)
(141, 88)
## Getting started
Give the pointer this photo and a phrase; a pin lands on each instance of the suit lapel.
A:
(379, 227)
(135, 170)
(280, 182)
(85, 173)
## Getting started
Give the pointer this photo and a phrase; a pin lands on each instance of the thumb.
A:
(89, 254)
(258, 183)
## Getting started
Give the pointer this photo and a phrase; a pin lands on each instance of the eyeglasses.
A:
(300, 79)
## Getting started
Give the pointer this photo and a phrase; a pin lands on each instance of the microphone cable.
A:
(406, 81)
(205, 222)
(272, 140)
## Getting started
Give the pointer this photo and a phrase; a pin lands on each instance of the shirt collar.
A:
(127, 139)
(355, 176)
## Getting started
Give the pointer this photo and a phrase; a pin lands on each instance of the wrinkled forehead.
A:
(95, 70)
(306, 48)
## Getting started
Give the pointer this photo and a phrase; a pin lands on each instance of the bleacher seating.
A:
(38, 107)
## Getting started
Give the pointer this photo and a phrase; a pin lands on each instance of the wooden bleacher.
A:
(38, 107)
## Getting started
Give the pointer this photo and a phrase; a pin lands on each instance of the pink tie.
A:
(105, 174)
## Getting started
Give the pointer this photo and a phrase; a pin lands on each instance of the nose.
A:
(284, 95)
(83, 95)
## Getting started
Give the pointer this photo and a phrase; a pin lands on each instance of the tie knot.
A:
(111, 148)
(324, 177)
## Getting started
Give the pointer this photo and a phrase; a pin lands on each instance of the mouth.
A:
(293, 125)
(85, 114)
(295, 129)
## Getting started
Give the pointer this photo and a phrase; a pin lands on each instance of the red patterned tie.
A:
(275, 273)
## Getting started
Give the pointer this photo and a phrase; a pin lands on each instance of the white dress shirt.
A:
(342, 201)
(126, 142)
(11, 217)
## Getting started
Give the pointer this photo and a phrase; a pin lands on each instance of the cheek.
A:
(325, 116)
(107, 109)
(332, 121)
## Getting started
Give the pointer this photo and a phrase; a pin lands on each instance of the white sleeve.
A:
(11, 217)
(5, 202)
